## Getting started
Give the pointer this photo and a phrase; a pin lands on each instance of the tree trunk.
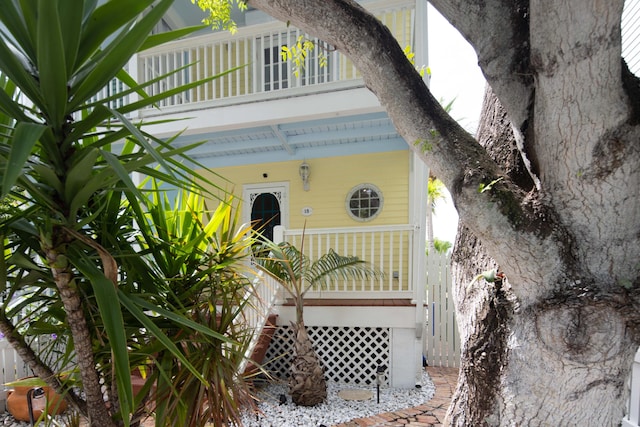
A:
(38, 367)
(544, 366)
(307, 385)
(97, 411)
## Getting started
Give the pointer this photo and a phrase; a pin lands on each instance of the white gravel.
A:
(335, 410)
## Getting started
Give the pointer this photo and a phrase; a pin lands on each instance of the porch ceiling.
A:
(305, 139)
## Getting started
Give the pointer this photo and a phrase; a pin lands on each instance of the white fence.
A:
(441, 340)
(11, 368)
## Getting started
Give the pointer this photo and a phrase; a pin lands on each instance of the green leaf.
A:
(105, 21)
(161, 38)
(23, 140)
(20, 70)
(106, 294)
(130, 82)
(115, 56)
(51, 57)
(80, 172)
(104, 179)
(170, 92)
(70, 15)
(48, 175)
(99, 114)
(14, 21)
(122, 173)
(128, 302)
(11, 108)
(142, 140)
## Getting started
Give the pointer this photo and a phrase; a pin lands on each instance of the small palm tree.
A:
(298, 274)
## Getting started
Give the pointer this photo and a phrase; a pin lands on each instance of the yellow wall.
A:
(331, 180)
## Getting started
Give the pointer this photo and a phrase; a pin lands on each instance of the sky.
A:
(455, 75)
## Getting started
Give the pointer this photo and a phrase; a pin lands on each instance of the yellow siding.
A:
(331, 180)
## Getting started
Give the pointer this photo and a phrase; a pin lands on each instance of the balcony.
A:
(258, 71)
(390, 249)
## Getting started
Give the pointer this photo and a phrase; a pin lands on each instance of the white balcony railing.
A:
(254, 56)
(388, 248)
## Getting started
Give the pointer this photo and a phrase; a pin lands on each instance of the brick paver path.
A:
(429, 414)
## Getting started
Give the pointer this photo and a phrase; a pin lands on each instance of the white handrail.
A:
(387, 248)
(261, 298)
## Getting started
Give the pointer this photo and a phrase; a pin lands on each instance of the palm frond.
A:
(333, 266)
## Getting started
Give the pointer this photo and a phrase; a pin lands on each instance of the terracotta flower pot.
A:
(18, 407)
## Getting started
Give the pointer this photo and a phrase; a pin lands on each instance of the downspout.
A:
(419, 205)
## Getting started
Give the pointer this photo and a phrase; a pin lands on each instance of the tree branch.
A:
(37, 365)
(503, 55)
(501, 216)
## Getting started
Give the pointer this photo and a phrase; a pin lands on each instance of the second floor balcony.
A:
(250, 64)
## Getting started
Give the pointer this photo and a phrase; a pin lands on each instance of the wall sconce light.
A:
(305, 172)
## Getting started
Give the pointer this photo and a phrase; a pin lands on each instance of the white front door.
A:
(266, 205)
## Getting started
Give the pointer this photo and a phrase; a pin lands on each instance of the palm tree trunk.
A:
(97, 412)
(307, 384)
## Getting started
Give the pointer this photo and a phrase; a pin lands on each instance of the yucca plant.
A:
(66, 160)
(202, 254)
(297, 274)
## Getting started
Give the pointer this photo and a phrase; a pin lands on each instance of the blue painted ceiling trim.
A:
(339, 136)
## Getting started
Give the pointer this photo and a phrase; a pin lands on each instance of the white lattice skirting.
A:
(347, 354)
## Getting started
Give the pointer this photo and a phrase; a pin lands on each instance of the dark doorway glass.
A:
(265, 214)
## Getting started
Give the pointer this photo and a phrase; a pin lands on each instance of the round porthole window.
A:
(364, 202)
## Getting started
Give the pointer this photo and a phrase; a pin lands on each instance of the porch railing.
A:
(254, 55)
(260, 299)
(387, 248)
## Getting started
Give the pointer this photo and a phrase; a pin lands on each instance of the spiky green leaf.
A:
(106, 294)
(24, 138)
(51, 57)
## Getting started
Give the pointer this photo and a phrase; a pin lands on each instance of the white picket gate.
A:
(441, 338)
(12, 368)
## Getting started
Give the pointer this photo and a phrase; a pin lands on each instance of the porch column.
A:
(421, 48)
(418, 208)
(132, 69)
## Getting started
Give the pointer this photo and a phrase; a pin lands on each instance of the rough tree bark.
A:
(95, 409)
(560, 332)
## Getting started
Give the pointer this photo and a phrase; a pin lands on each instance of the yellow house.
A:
(314, 151)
